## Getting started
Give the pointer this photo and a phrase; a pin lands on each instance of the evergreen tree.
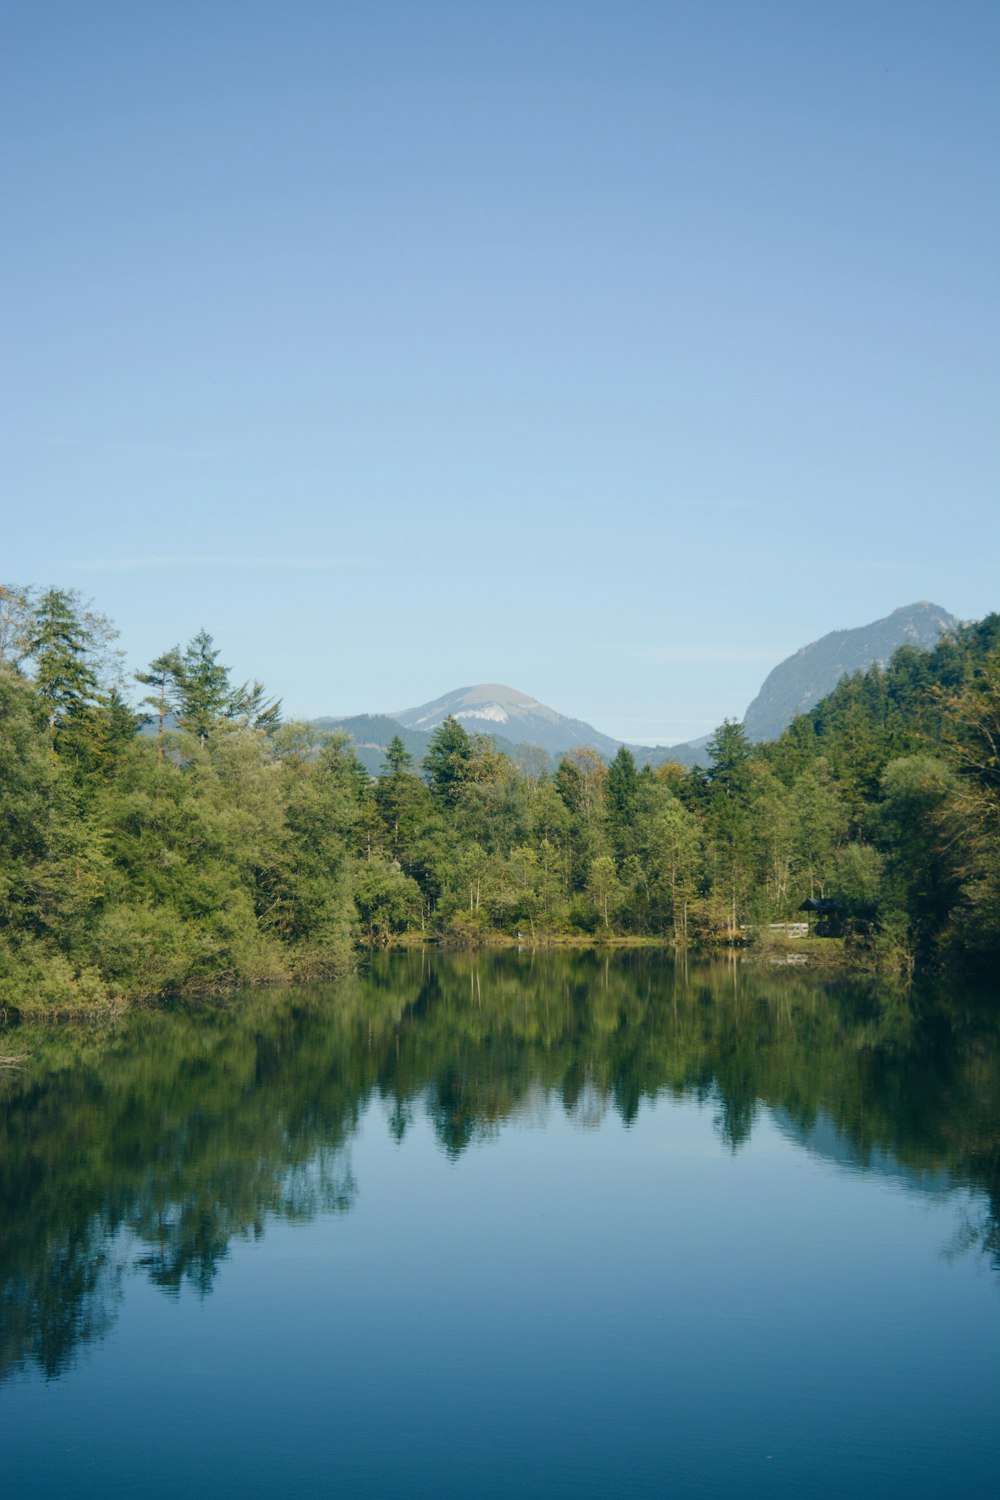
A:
(250, 706)
(621, 790)
(397, 758)
(730, 753)
(448, 762)
(400, 796)
(163, 676)
(61, 647)
(204, 694)
(729, 783)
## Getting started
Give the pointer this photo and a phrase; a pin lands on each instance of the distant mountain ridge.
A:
(532, 734)
(536, 736)
(799, 682)
(495, 709)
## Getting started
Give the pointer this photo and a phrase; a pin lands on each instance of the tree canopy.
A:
(225, 846)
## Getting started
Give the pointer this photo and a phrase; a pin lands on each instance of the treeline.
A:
(235, 848)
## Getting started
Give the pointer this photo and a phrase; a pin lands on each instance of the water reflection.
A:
(150, 1146)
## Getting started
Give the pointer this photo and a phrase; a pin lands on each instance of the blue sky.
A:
(611, 351)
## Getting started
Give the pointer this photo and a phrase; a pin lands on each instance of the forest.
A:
(192, 840)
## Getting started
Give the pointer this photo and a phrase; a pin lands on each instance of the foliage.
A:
(234, 848)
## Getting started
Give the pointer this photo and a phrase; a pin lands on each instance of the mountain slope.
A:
(799, 682)
(491, 708)
(371, 733)
(516, 721)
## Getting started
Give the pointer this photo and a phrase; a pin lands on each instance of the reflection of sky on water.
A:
(421, 1250)
(824, 1140)
(557, 1311)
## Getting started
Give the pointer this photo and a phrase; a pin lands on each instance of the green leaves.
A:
(448, 761)
(195, 686)
(255, 849)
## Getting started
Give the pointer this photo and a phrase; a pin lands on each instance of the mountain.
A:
(490, 708)
(686, 753)
(371, 733)
(535, 736)
(798, 683)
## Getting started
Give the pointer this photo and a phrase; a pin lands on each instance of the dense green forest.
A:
(236, 848)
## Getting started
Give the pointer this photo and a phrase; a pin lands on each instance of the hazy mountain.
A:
(799, 682)
(371, 733)
(490, 708)
(686, 753)
(535, 736)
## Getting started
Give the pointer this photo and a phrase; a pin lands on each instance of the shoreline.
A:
(819, 954)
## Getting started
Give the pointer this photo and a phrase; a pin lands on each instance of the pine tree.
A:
(250, 706)
(622, 792)
(205, 698)
(730, 753)
(61, 648)
(448, 761)
(162, 675)
(397, 758)
(203, 689)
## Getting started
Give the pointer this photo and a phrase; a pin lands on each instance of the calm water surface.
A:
(508, 1226)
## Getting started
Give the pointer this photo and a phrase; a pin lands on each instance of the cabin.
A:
(830, 915)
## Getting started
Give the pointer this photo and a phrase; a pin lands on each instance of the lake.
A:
(508, 1225)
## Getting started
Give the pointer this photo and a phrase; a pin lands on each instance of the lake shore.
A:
(821, 954)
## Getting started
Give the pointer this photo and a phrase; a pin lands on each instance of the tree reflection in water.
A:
(151, 1145)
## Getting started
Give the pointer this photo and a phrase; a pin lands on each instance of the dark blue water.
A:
(505, 1228)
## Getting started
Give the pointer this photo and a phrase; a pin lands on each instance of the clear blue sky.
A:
(608, 350)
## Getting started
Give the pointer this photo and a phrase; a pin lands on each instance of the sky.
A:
(611, 351)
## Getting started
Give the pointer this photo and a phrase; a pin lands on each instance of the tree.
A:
(204, 693)
(205, 698)
(580, 782)
(17, 619)
(972, 734)
(76, 673)
(28, 792)
(163, 675)
(819, 824)
(399, 797)
(397, 758)
(772, 836)
(61, 647)
(604, 887)
(253, 709)
(621, 790)
(448, 761)
(730, 752)
(388, 901)
(675, 859)
(922, 882)
(114, 726)
(729, 784)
